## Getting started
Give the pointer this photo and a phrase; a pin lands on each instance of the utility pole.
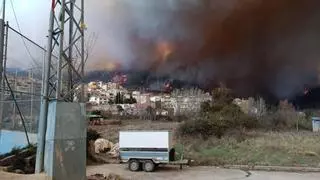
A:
(14, 117)
(61, 76)
(31, 91)
(2, 57)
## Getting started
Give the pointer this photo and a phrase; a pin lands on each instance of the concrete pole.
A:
(44, 98)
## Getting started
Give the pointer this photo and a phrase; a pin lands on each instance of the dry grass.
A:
(251, 148)
(257, 148)
(111, 132)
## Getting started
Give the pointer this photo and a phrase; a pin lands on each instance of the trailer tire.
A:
(134, 165)
(149, 166)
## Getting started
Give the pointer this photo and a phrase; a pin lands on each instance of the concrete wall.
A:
(65, 148)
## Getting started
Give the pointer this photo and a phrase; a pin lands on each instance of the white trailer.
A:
(147, 149)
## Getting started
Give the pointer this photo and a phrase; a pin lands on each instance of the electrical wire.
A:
(18, 108)
(21, 100)
(21, 92)
(24, 43)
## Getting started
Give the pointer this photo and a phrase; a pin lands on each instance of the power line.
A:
(18, 108)
(20, 100)
(24, 43)
(42, 48)
(21, 92)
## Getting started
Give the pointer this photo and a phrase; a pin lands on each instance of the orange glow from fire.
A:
(164, 50)
(106, 66)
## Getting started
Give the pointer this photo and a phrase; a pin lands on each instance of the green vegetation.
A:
(223, 115)
(218, 117)
(226, 133)
(15, 150)
(92, 135)
(23, 160)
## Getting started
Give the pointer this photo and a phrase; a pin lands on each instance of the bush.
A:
(203, 127)
(222, 96)
(106, 114)
(217, 118)
(32, 149)
(92, 135)
(180, 118)
(235, 118)
(285, 117)
(217, 124)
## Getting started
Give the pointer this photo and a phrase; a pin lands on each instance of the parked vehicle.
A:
(148, 149)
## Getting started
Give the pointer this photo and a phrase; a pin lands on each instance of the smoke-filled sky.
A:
(253, 46)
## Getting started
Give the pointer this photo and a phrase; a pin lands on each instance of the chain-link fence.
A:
(22, 83)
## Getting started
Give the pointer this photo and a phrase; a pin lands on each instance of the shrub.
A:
(92, 135)
(213, 124)
(285, 117)
(222, 96)
(237, 119)
(217, 118)
(106, 114)
(181, 118)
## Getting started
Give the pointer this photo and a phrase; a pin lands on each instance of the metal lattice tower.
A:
(63, 69)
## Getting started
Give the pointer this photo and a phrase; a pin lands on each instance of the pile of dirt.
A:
(100, 158)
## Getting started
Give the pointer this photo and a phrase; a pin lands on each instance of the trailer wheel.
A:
(148, 166)
(134, 165)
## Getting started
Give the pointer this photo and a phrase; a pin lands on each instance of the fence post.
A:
(1, 67)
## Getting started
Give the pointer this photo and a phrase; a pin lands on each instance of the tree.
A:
(151, 114)
(110, 101)
(205, 107)
(131, 100)
(222, 95)
(120, 108)
(119, 98)
(218, 117)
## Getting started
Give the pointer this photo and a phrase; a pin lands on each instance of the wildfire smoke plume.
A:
(253, 46)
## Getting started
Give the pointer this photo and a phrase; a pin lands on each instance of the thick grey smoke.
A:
(262, 46)
(253, 46)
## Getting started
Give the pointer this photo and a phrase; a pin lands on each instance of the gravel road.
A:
(171, 173)
(199, 173)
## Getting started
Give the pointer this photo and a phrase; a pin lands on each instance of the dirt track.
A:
(199, 173)
(171, 173)
(10, 176)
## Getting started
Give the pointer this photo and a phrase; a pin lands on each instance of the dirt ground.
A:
(198, 173)
(173, 173)
(11, 176)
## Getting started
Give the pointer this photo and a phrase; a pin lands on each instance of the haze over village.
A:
(178, 89)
